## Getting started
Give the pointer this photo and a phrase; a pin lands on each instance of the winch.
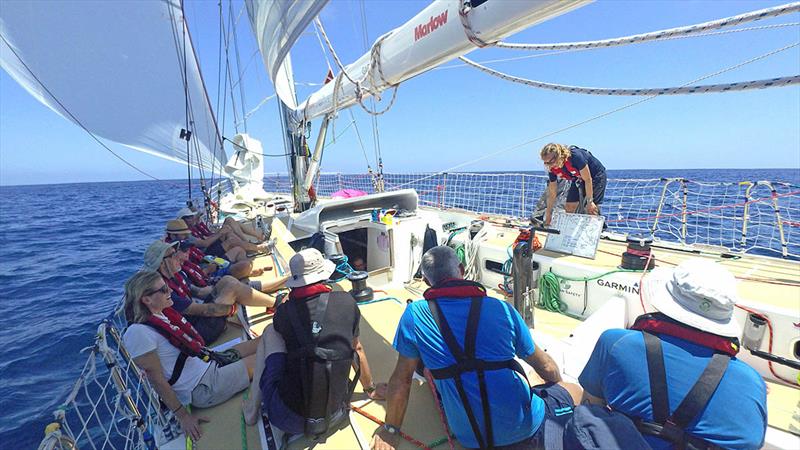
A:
(638, 253)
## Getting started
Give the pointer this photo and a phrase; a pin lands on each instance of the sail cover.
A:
(277, 24)
(115, 69)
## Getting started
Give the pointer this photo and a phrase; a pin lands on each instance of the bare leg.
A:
(235, 254)
(229, 290)
(241, 269)
(231, 241)
(575, 391)
(271, 342)
(243, 230)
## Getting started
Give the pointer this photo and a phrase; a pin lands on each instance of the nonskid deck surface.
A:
(423, 422)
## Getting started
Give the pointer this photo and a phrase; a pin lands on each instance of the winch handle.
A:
(538, 225)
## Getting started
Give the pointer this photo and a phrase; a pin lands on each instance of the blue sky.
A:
(452, 115)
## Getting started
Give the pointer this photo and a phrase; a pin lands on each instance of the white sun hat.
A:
(308, 267)
(698, 293)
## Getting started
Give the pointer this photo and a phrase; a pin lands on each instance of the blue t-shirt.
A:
(735, 417)
(502, 333)
(579, 159)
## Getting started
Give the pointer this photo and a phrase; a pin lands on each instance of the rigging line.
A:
(219, 79)
(188, 130)
(257, 107)
(322, 47)
(238, 64)
(656, 35)
(360, 141)
(69, 113)
(590, 119)
(375, 134)
(679, 90)
(574, 50)
(229, 76)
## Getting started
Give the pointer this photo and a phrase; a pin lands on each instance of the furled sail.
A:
(117, 70)
(277, 24)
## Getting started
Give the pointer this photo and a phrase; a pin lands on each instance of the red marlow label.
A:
(426, 28)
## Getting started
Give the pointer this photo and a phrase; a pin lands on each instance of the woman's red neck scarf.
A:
(309, 291)
(455, 288)
(658, 323)
(179, 332)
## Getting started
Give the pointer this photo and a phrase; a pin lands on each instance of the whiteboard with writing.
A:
(580, 234)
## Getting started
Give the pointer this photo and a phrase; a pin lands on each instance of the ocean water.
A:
(67, 251)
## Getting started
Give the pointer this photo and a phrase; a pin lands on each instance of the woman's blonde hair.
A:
(135, 287)
(562, 151)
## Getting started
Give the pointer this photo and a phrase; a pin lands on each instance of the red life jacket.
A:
(179, 285)
(571, 173)
(204, 229)
(658, 323)
(309, 291)
(195, 273)
(455, 288)
(196, 255)
(179, 332)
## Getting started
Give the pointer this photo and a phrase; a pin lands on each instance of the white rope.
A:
(583, 122)
(256, 108)
(677, 90)
(663, 34)
(540, 55)
(375, 63)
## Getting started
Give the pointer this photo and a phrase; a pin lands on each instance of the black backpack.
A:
(324, 371)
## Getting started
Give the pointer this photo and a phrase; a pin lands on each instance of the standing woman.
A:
(158, 338)
(585, 171)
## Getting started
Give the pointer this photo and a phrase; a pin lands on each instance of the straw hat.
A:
(698, 293)
(177, 226)
(187, 212)
(309, 267)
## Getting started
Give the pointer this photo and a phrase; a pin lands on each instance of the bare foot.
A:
(250, 411)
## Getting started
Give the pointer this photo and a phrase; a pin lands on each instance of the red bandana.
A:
(661, 324)
(309, 291)
(455, 288)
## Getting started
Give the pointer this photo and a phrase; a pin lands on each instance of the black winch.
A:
(361, 292)
(638, 253)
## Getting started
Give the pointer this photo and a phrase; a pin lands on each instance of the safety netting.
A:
(761, 217)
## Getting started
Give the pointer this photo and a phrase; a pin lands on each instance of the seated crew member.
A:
(280, 386)
(214, 301)
(200, 278)
(240, 266)
(358, 264)
(579, 166)
(431, 330)
(694, 326)
(156, 350)
(223, 240)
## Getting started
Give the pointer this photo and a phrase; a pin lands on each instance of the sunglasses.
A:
(164, 289)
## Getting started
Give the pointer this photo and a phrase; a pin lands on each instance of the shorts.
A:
(599, 181)
(219, 384)
(216, 249)
(558, 407)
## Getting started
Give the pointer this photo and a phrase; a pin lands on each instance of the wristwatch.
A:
(391, 429)
(369, 389)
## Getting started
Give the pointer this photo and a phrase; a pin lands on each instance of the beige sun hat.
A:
(308, 267)
(155, 254)
(186, 212)
(698, 293)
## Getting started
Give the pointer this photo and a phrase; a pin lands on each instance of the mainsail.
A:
(117, 70)
(277, 25)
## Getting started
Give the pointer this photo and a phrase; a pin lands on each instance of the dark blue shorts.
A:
(558, 407)
(599, 181)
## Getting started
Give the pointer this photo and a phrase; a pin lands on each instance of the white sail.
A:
(114, 68)
(277, 24)
(434, 36)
